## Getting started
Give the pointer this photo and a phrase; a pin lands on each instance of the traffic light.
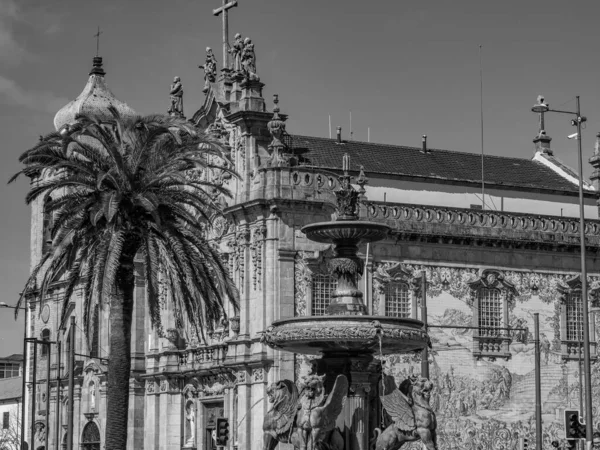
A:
(574, 429)
(525, 445)
(222, 431)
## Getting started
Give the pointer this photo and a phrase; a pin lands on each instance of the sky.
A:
(403, 68)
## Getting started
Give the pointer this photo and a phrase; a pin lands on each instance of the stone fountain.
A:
(346, 338)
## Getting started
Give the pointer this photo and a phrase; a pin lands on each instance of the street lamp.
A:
(24, 381)
(542, 107)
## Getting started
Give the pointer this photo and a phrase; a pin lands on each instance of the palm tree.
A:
(124, 188)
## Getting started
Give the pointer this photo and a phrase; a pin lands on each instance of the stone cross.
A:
(223, 10)
(97, 36)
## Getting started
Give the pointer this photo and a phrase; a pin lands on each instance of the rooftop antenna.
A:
(329, 126)
(481, 118)
(350, 125)
(368, 134)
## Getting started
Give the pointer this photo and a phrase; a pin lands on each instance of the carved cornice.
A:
(465, 226)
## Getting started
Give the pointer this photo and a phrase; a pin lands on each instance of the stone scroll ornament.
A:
(413, 417)
(304, 416)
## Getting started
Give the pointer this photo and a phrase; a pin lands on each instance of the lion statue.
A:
(412, 416)
(306, 419)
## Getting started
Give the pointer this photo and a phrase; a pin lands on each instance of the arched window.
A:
(94, 353)
(397, 300)
(45, 336)
(46, 227)
(323, 286)
(90, 438)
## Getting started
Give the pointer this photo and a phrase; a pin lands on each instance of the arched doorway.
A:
(90, 438)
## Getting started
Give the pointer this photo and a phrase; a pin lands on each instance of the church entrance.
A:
(212, 411)
(90, 439)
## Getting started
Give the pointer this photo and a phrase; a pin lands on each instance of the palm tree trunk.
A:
(119, 362)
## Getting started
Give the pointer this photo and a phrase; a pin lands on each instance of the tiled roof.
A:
(438, 164)
(10, 388)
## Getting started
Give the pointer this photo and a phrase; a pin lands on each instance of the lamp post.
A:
(542, 108)
(24, 381)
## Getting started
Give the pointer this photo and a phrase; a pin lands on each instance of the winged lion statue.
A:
(305, 417)
(412, 416)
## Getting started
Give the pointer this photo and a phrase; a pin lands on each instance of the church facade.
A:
(488, 271)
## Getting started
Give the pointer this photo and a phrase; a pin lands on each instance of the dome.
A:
(94, 100)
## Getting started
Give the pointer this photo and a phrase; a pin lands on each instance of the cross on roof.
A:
(97, 36)
(223, 10)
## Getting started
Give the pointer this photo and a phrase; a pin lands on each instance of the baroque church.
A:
(488, 269)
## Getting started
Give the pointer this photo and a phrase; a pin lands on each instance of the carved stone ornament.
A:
(241, 376)
(493, 279)
(176, 93)
(259, 235)
(258, 375)
(210, 69)
(150, 387)
(304, 415)
(212, 385)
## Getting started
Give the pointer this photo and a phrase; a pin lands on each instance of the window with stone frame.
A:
(397, 300)
(571, 320)
(45, 336)
(492, 296)
(46, 227)
(90, 438)
(5, 420)
(322, 288)
(393, 291)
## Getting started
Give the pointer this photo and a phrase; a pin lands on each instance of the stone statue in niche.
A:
(210, 69)
(93, 396)
(249, 60)
(176, 94)
(236, 52)
(190, 423)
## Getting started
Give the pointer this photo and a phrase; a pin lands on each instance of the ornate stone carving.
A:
(346, 195)
(236, 52)
(216, 384)
(304, 416)
(241, 376)
(302, 277)
(258, 375)
(176, 93)
(493, 279)
(259, 235)
(210, 69)
(150, 387)
(235, 324)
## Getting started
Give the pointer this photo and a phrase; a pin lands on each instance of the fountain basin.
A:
(351, 335)
(346, 230)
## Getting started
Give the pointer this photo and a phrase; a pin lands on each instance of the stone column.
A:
(244, 408)
(259, 406)
(135, 421)
(150, 407)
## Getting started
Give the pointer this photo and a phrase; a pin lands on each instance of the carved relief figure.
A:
(248, 59)
(176, 94)
(93, 396)
(210, 69)
(412, 415)
(305, 420)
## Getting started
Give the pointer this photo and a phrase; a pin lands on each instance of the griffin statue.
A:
(305, 419)
(412, 416)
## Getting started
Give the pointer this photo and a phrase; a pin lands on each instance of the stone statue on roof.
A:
(210, 69)
(248, 59)
(236, 52)
(176, 94)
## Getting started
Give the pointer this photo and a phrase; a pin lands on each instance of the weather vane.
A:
(97, 36)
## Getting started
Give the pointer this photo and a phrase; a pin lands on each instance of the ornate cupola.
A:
(94, 100)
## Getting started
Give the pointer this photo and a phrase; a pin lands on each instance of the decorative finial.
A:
(97, 36)
(542, 140)
(276, 127)
(97, 67)
(361, 181)
(346, 195)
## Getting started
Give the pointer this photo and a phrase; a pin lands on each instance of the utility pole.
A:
(425, 352)
(71, 383)
(538, 384)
